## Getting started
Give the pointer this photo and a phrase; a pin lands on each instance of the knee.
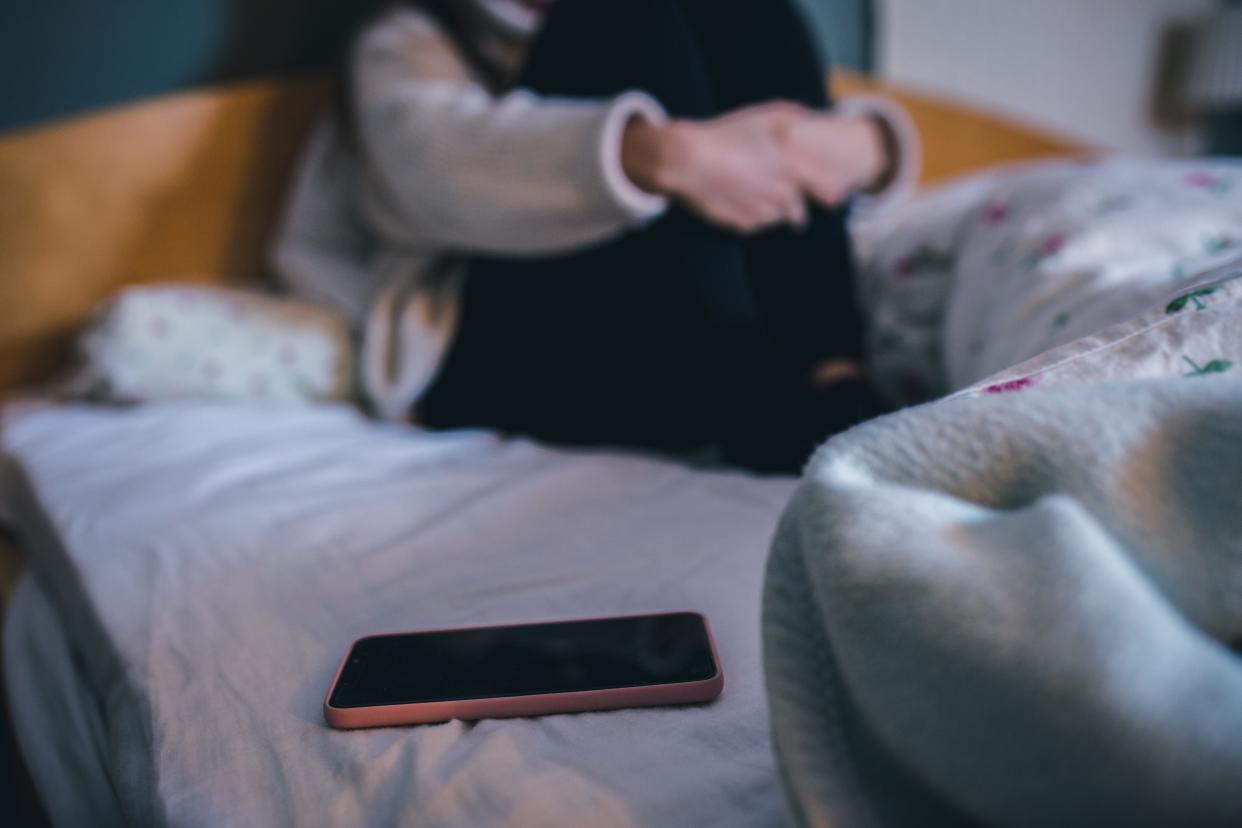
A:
(603, 21)
(600, 47)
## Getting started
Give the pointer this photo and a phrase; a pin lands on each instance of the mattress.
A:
(55, 715)
(210, 564)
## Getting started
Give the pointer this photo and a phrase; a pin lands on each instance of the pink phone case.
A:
(541, 704)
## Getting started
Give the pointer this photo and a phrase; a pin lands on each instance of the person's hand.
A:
(835, 156)
(735, 170)
(756, 167)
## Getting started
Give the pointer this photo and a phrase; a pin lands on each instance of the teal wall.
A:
(59, 57)
(845, 30)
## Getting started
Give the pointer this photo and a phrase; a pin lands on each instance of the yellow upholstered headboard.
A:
(184, 187)
(187, 187)
(957, 138)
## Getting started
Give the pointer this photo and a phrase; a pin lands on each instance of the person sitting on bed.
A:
(616, 222)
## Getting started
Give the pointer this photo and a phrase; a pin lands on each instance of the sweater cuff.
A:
(907, 158)
(637, 203)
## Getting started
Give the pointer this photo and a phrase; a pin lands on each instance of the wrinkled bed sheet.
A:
(212, 564)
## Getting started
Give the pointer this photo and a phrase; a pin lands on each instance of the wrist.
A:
(874, 150)
(649, 153)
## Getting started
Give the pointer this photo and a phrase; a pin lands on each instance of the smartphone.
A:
(525, 670)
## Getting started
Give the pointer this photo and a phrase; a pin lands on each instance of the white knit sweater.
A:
(445, 168)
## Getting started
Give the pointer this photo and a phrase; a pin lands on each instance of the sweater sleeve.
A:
(907, 160)
(450, 164)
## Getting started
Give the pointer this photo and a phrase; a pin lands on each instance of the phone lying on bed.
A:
(525, 670)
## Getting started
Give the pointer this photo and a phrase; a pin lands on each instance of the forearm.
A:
(655, 156)
(449, 164)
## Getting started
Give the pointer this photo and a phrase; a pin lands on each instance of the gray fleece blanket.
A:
(1017, 609)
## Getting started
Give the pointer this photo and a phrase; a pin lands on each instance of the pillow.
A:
(967, 280)
(1193, 334)
(188, 341)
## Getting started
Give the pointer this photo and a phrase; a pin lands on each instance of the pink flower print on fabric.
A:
(288, 355)
(995, 212)
(1052, 245)
(1212, 182)
(1047, 248)
(1010, 385)
(1114, 204)
(158, 326)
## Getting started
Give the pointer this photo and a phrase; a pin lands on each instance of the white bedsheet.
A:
(212, 564)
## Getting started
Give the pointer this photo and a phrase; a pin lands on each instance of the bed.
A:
(193, 563)
(214, 562)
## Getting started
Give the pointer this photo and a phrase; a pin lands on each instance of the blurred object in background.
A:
(1088, 71)
(1212, 82)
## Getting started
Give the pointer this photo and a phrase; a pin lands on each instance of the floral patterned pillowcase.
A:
(1192, 335)
(968, 280)
(165, 342)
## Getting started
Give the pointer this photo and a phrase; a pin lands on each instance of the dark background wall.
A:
(58, 57)
(1225, 129)
(62, 56)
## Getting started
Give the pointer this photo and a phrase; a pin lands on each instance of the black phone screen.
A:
(528, 659)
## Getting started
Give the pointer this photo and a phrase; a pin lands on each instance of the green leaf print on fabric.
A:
(1000, 256)
(1217, 243)
(1115, 203)
(1194, 296)
(1061, 320)
(925, 260)
(1215, 366)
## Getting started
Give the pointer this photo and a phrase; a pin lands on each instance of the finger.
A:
(759, 217)
(735, 216)
(784, 203)
(798, 218)
(751, 222)
(824, 186)
(796, 209)
(773, 213)
(784, 115)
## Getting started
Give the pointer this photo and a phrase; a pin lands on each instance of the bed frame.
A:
(187, 187)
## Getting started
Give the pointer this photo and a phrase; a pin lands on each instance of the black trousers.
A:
(677, 334)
